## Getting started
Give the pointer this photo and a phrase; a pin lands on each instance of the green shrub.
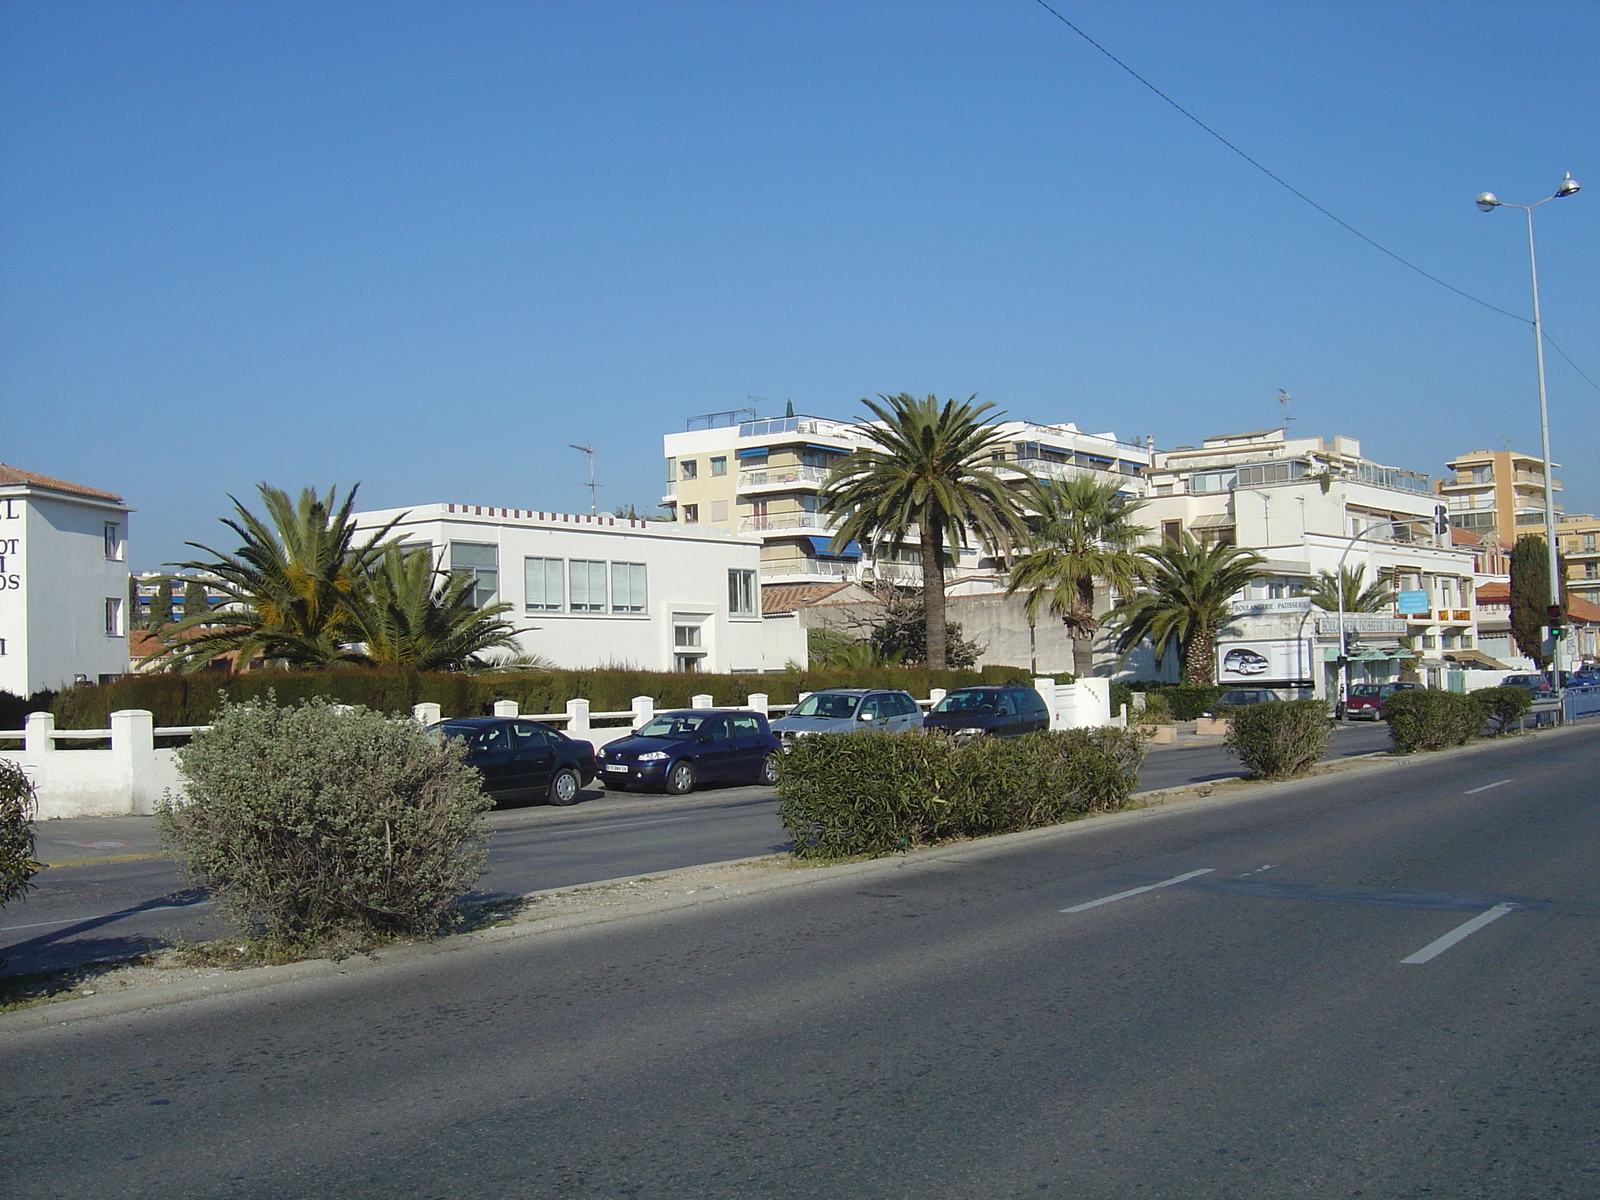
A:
(17, 866)
(319, 826)
(1156, 711)
(870, 793)
(1186, 701)
(1427, 719)
(1279, 740)
(1506, 706)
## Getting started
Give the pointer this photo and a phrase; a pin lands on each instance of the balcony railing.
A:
(780, 476)
(809, 568)
(801, 522)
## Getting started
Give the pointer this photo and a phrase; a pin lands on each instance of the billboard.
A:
(1411, 602)
(1264, 661)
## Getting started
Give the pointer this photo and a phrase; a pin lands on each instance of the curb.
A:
(1149, 805)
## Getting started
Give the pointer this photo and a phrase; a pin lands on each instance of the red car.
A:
(1370, 701)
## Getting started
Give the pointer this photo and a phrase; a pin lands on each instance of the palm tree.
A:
(926, 470)
(415, 616)
(1182, 602)
(1325, 591)
(1080, 530)
(289, 591)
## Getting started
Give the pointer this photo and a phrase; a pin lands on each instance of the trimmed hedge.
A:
(1185, 701)
(1428, 719)
(878, 793)
(1505, 705)
(1279, 740)
(194, 699)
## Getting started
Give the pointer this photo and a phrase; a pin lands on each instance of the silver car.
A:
(850, 710)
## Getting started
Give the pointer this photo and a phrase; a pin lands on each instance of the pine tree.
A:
(194, 599)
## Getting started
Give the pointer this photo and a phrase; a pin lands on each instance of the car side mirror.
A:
(704, 737)
(867, 717)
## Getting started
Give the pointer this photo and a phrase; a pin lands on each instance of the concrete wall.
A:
(129, 779)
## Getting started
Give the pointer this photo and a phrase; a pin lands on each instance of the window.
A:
(744, 725)
(688, 468)
(686, 664)
(719, 466)
(1278, 472)
(691, 514)
(719, 512)
(1588, 543)
(873, 707)
(1591, 570)
(588, 582)
(533, 737)
(627, 587)
(1172, 531)
(1212, 481)
(1483, 474)
(113, 541)
(544, 584)
(672, 470)
(482, 563)
(742, 593)
(686, 635)
(113, 616)
(812, 456)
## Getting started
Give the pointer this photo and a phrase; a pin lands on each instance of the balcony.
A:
(797, 522)
(807, 568)
(770, 427)
(777, 478)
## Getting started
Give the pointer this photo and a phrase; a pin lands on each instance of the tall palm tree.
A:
(1181, 602)
(1325, 591)
(926, 470)
(1080, 530)
(289, 590)
(413, 615)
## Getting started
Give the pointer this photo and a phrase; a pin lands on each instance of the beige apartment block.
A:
(1579, 539)
(1498, 492)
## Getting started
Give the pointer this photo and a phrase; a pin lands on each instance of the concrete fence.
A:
(130, 777)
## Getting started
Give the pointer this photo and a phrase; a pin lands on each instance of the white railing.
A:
(775, 476)
(813, 521)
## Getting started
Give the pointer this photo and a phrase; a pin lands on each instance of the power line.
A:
(1570, 363)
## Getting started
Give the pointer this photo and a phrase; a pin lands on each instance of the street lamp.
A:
(1488, 202)
(1338, 576)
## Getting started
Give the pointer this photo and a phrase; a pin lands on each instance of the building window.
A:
(672, 470)
(686, 664)
(588, 580)
(1429, 642)
(1172, 531)
(688, 468)
(113, 616)
(719, 466)
(719, 512)
(742, 593)
(627, 587)
(686, 635)
(1588, 543)
(113, 541)
(691, 514)
(1483, 474)
(543, 583)
(482, 563)
(1590, 570)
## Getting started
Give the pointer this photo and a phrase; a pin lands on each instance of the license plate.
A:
(616, 767)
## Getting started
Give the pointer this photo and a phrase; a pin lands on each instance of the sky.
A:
(425, 247)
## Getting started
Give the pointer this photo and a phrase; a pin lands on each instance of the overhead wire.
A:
(1289, 187)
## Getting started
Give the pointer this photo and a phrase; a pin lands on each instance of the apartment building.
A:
(63, 583)
(1498, 493)
(1579, 539)
(1303, 503)
(763, 476)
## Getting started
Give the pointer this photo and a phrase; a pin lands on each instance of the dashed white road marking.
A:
(1435, 948)
(1149, 887)
(1486, 787)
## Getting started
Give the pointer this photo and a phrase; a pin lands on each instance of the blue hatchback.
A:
(677, 750)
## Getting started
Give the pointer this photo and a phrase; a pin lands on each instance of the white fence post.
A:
(36, 730)
(935, 695)
(757, 702)
(505, 708)
(133, 751)
(427, 713)
(1046, 687)
(578, 718)
(644, 707)
(700, 700)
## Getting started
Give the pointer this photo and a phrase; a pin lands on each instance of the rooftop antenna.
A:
(594, 507)
(1283, 399)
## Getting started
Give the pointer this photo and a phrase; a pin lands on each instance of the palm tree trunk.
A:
(1200, 658)
(933, 597)
(1083, 646)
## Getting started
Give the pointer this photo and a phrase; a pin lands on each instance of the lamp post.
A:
(1488, 203)
(1338, 577)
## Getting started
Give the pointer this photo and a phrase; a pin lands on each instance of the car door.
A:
(749, 747)
(910, 719)
(536, 753)
(491, 751)
(1006, 717)
(874, 707)
(714, 753)
(1035, 713)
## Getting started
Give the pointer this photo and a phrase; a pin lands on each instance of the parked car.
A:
(1237, 697)
(998, 711)
(676, 751)
(850, 710)
(1586, 677)
(1370, 701)
(1537, 684)
(521, 759)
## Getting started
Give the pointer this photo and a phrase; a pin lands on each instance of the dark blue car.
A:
(677, 750)
(521, 759)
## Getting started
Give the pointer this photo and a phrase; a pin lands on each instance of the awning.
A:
(822, 548)
(1369, 654)
(1475, 656)
(755, 452)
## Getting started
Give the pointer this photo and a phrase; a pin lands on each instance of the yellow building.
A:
(1498, 492)
(1579, 539)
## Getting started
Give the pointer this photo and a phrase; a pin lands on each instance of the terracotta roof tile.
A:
(786, 597)
(16, 475)
(1493, 593)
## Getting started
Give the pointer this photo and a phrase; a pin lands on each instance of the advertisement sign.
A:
(1411, 602)
(1261, 608)
(1263, 661)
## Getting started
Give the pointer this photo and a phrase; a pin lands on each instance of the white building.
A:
(596, 591)
(1303, 503)
(63, 583)
(763, 476)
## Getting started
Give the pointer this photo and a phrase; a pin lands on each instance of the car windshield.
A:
(826, 704)
(672, 726)
(1367, 689)
(1239, 698)
(459, 733)
(966, 702)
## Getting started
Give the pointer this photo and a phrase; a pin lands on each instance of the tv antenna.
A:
(1283, 399)
(594, 507)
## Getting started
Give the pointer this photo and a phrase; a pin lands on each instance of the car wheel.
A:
(680, 777)
(769, 771)
(564, 787)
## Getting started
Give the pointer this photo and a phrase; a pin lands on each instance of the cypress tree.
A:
(135, 617)
(161, 605)
(194, 599)
(1530, 596)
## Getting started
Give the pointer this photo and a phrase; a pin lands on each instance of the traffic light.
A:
(1556, 618)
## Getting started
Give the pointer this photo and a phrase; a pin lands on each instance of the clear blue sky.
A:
(427, 245)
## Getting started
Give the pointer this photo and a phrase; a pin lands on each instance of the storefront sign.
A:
(1330, 625)
(1256, 608)
(1411, 602)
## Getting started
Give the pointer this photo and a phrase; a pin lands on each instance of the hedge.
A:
(1279, 740)
(878, 793)
(193, 699)
(1428, 719)
(1505, 705)
(1185, 701)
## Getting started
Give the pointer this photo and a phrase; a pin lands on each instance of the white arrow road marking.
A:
(1435, 948)
(1149, 887)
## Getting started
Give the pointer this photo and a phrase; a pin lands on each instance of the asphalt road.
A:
(1332, 990)
(118, 900)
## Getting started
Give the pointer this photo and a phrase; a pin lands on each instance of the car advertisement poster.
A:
(1264, 661)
